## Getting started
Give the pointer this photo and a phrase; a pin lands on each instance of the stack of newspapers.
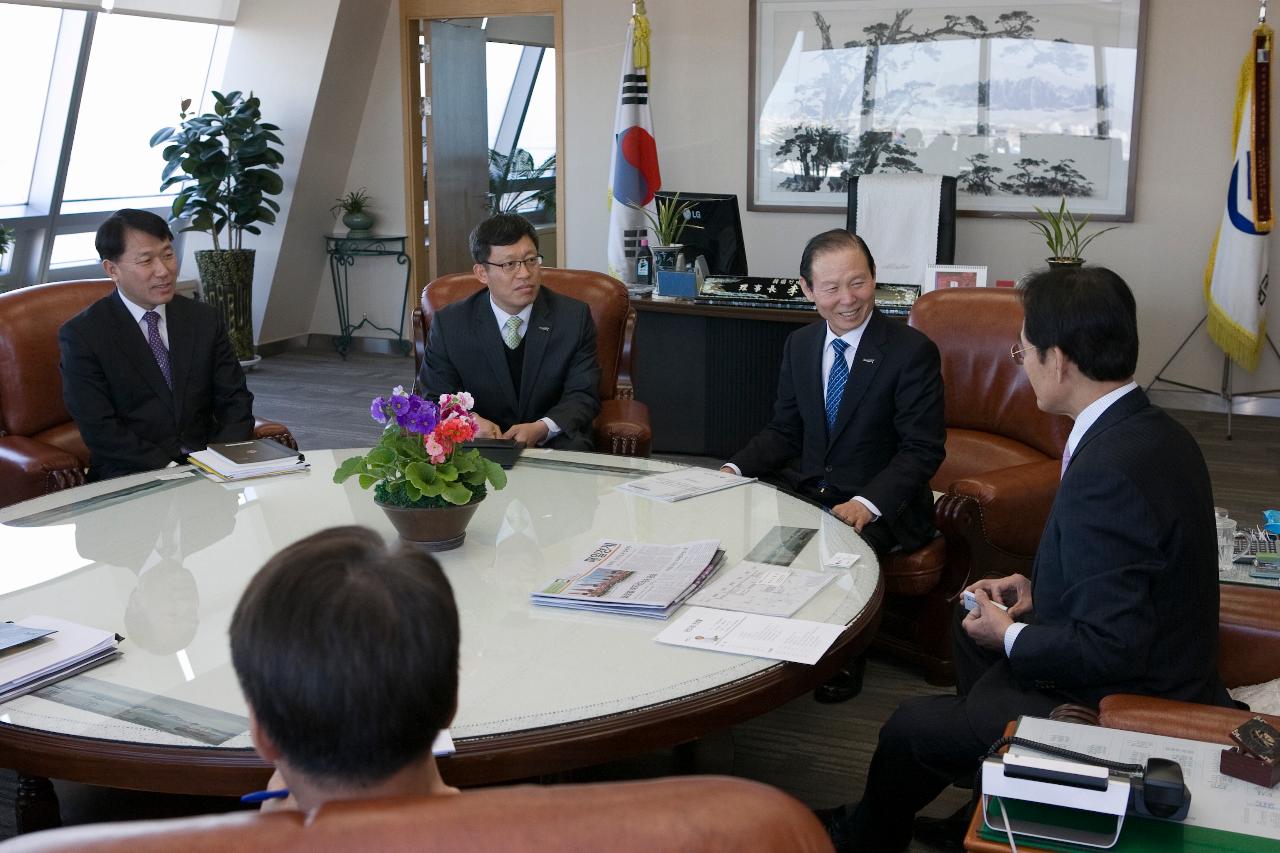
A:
(242, 460)
(40, 650)
(635, 578)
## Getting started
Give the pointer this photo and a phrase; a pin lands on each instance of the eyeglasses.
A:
(509, 267)
(1017, 353)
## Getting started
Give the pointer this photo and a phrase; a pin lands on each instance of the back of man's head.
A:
(1087, 312)
(110, 239)
(347, 653)
(501, 229)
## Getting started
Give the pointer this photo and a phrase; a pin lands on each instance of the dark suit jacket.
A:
(560, 378)
(890, 434)
(1125, 583)
(114, 390)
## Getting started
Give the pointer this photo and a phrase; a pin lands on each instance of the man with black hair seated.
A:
(1124, 590)
(526, 354)
(147, 375)
(347, 653)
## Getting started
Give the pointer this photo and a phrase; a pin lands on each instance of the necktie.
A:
(157, 345)
(1066, 460)
(511, 332)
(836, 380)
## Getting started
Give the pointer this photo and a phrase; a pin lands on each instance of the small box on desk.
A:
(1241, 765)
(677, 283)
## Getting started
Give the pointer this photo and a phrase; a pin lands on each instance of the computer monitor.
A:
(720, 238)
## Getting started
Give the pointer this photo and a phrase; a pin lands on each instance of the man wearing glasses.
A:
(1123, 596)
(527, 355)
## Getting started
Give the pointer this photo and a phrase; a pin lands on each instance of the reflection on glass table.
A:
(163, 561)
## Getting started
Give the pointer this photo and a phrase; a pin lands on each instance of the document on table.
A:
(684, 483)
(640, 578)
(1217, 801)
(770, 637)
(762, 588)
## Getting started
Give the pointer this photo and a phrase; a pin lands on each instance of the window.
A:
(104, 83)
(522, 129)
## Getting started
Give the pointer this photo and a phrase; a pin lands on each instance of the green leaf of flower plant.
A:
(456, 493)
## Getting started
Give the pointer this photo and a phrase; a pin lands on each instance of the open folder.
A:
(70, 649)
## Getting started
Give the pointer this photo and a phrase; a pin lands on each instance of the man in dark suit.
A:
(858, 425)
(149, 376)
(527, 355)
(1125, 591)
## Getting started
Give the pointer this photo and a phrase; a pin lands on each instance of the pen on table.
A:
(263, 796)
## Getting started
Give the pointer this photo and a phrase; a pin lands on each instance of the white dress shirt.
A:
(138, 311)
(1087, 418)
(502, 317)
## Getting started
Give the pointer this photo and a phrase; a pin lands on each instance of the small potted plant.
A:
(428, 486)
(355, 212)
(6, 240)
(668, 227)
(1063, 234)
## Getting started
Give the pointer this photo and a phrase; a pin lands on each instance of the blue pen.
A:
(263, 796)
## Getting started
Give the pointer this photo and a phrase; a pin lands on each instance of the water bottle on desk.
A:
(644, 268)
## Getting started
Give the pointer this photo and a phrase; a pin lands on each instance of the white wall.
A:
(699, 99)
(377, 163)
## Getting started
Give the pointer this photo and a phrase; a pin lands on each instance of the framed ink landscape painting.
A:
(1021, 100)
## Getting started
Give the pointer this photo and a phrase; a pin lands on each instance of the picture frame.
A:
(1024, 101)
(944, 276)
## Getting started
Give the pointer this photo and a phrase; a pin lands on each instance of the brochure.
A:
(762, 588)
(682, 484)
(770, 637)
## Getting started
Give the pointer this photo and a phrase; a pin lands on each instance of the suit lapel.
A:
(138, 352)
(1128, 405)
(535, 347)
(809, 385)
(181, 345)
(486, 328)
(866, 361)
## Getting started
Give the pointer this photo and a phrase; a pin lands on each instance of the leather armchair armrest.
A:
(1014, 503)
(275, 432)
(622, 428)
(30, 468)
(1171, 718)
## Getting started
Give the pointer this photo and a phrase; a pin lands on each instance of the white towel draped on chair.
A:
(898, 219)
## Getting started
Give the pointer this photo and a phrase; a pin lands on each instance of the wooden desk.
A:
(709, 373)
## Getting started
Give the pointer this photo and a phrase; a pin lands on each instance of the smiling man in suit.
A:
(149, 376)
(858, 423)
(527, 355)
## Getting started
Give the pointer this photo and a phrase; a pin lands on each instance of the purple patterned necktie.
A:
(157, 345)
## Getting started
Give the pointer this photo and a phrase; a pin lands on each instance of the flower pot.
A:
(664, 257)
(1064, 263)
(226, 283)
(431, 528)
(359, 224)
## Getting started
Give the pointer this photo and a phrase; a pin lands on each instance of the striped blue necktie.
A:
(836, 380)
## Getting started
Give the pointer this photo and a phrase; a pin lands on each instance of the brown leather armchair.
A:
(708, 814)
(1248, 653)
(40, 446)
(622, 427)
(998, 480)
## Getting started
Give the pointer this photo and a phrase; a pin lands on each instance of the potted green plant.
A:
(668, 227)
(226, 167)
(1064, 236)
(425, 481)
(354, 205)
(6, 239)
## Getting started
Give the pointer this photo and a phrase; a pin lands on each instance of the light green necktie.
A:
(511, 332)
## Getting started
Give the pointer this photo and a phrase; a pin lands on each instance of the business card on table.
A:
(841, 560)
(773, 637)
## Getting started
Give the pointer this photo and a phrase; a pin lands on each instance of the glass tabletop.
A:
(163, 561)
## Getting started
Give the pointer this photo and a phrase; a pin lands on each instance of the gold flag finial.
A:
(640, 48)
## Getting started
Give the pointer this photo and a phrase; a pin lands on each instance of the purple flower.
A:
(378, 409)
(399, 405)
(420, 416)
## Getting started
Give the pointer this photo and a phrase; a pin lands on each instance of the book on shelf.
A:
(240, 460)
(69, 649)
(634, 578)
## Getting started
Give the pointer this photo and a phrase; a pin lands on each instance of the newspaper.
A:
(638, 578)
(682, 484)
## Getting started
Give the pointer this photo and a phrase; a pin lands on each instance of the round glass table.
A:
(162, 558)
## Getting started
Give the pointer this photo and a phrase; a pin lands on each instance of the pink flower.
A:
(434, 449)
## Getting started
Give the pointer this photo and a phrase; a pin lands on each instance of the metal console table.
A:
(343, 251)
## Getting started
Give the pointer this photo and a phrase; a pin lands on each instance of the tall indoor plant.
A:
(226, 167)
